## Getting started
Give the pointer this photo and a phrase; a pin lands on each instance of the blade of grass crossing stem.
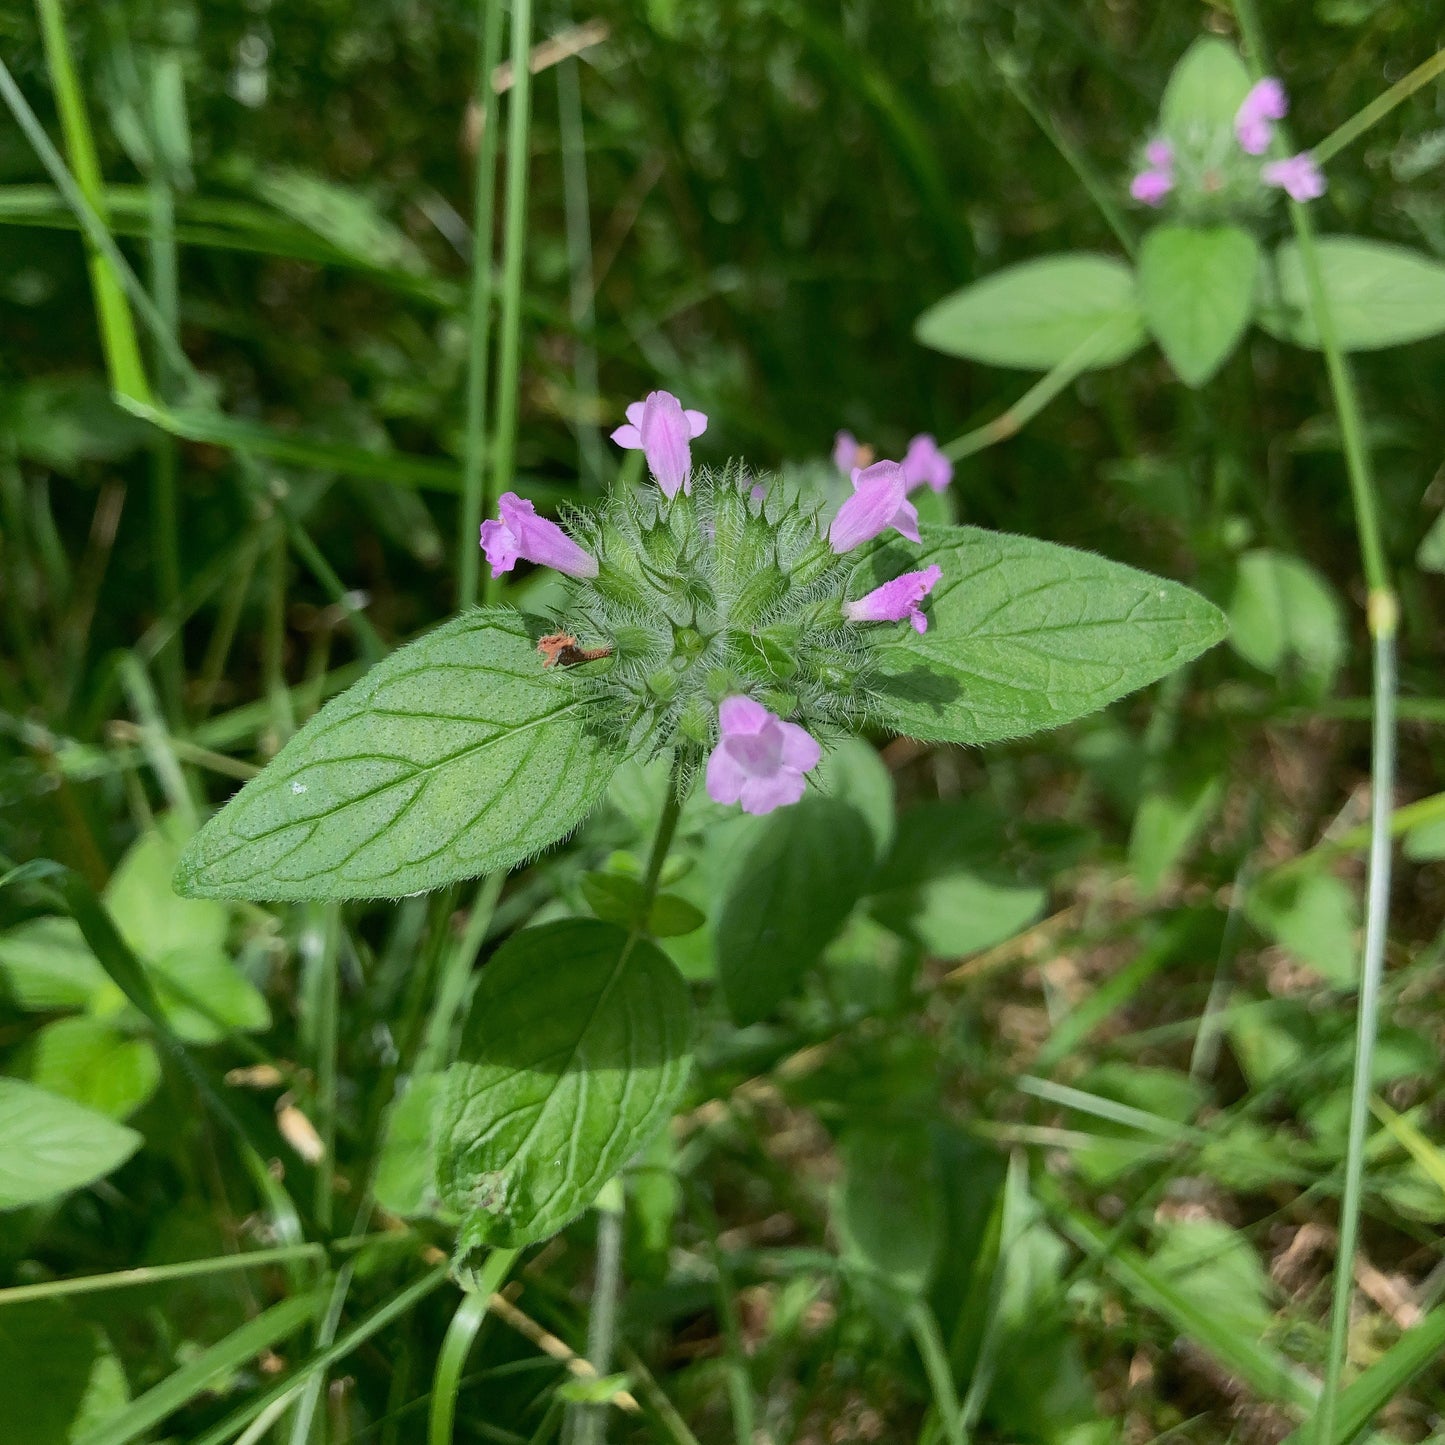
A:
(238, 1348)
(310, 1395)
(1414, 1352)
(924, 1328)
(514, 251)
(1383, 619)
(154, 1274)
(359, 1333)
(1430, 1159)
(479, 310)
(117, 329)
(447, 1382)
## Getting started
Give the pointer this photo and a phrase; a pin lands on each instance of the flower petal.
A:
(696, 423)
(725, 778)
(634, 412)
(879, 498)
(628, 436)
(801, 750)
(742, 714)
(762, 795)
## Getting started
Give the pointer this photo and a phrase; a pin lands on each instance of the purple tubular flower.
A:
(1159, 153)
(923, 462)
(1254, 120)
(893, 601)
(759, 760)
(845, 451)
(1151, 186)
(661, 430)
(1299, 177)
(879, 501)
(521, 533)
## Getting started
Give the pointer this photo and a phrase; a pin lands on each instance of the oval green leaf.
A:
(788, 895)
(1205, 88)
(1025, 635)
(49, 1146)
(455, 756)
(1380, 295)
(574, 1054)
(1197, 285)
(1040, 313)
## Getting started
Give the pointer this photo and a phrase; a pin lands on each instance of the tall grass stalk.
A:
(514, 250)
(1383, 620)
(475, 501)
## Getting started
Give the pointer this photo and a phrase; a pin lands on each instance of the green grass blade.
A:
(240, 1346)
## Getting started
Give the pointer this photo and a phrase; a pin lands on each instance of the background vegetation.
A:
(1050, 1146)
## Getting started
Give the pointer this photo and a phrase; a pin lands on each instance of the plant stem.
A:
(455, 971)
(474, 498)
(666, 827)
(1383, 618)
(514, 247)
(1010, 422)
(940, 1374)
(1378, 108)
(458, 1343)
(591, 1420)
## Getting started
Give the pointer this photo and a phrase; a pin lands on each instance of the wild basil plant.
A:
(724, 620)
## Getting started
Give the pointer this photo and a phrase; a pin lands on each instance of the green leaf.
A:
(1220, 1272)
(1314, 916)
(1379, 294)
(1430, 557)
(147, 914)
(49, 1146)
(1039, 313)
(1205, 89)
(574, 1053)
(946, 885)
(853, 773)
(1425, 842)
(1025, 635)
(616, 898)
(93, 1063)
(1197, 289)
(1283, 612)
(888, 1209)
(788, 895)
(456, 756)
(46, 964)
(1169, 818)
(204, 994)
(406, 1171)
(61, 1377)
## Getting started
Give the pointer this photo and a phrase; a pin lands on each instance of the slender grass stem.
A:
(924, 1329)
(591, 1420)
(514, 251)
(456, 970)
(462, 1331)
(479, 310)
(1379, 108)
(1383, 620)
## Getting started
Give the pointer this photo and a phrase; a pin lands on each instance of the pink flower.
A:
(521, 533)
(879, 501)
(845, 451)
(923, 462)
(759, 760)
(1160, 154)
(1298, 176)
(661, 430)
(1151, 186)
(895, 600)
(1253, 121)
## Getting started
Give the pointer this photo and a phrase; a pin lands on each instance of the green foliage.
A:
(1040, 313)
(1205, 87)
(1379, 294)
(1028, 635)
(1284, 618)
(49, 1145)
(1196, 287)
(556, 1088)
(457, 755)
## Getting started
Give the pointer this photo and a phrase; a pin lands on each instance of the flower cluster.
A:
(718, 606)
(1214, 170)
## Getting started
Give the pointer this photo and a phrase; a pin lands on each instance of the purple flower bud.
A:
(661, 430)
(521, 533)
(1299, 177)
(1159, 153)
(1151, 186)
(845, 451)
(759, 760)
(879, 501)
(895, 600)
(923, 462)
(1253, 121)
